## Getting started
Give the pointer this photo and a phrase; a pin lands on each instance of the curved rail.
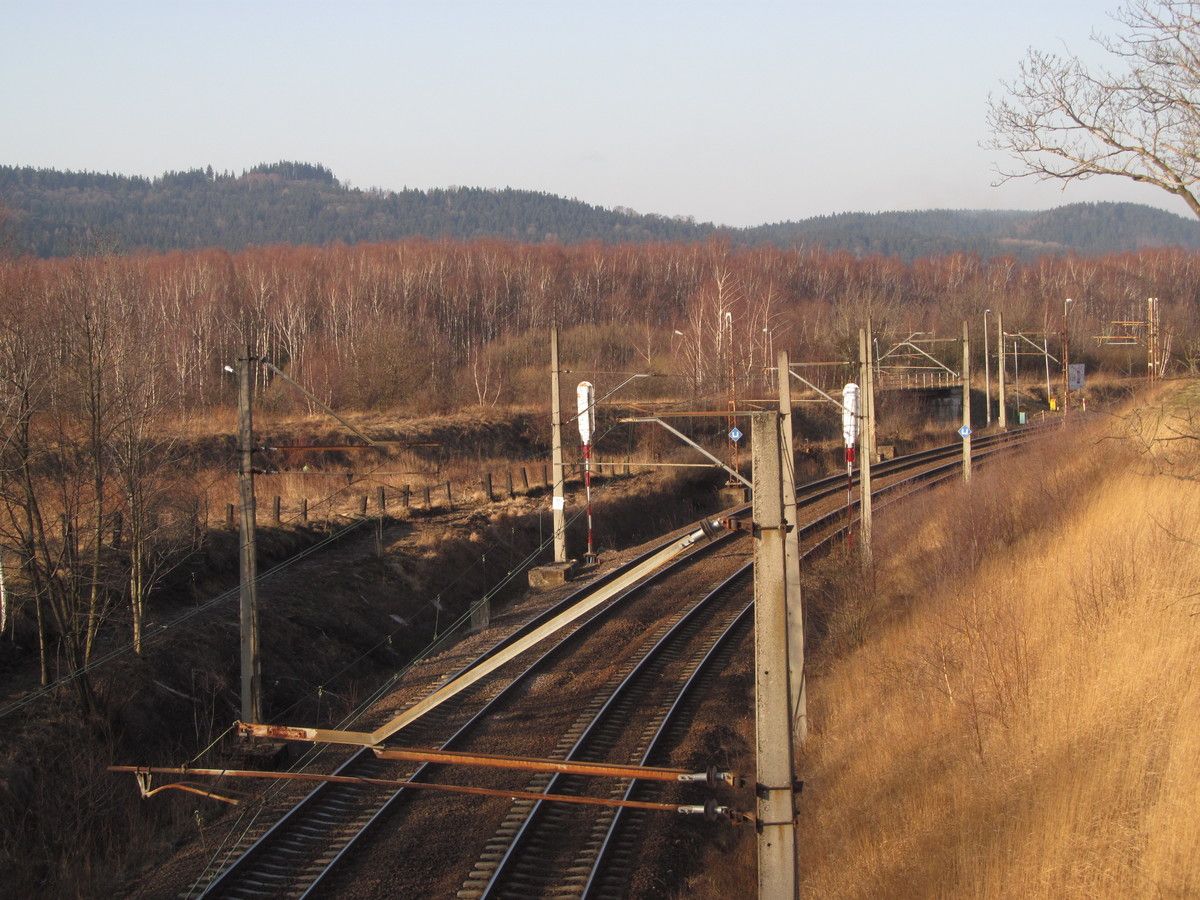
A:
(525, 857)
(299, 850)
(595, 732)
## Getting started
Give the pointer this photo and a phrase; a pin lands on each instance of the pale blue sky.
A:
(735, 112)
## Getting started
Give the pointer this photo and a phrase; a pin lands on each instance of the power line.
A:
(184, 618)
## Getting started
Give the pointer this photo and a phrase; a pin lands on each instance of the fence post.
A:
(304, 509)
(511, 493)
(486, 483)
(525, 478)
(407, 496)
(381, 500)
(427, 504)
(275, 504)
(229, 515)
(449, 499)
(362, 506)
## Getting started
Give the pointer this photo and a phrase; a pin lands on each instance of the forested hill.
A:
(51, 213)
(1078, 227)
(56, 213)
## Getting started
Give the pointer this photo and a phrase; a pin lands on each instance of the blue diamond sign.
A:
(735, 434)
(964, 432)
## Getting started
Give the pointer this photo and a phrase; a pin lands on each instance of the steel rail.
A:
(605, 851)
(223, 883)
(680, 629)
(490, 878)
(364, 757)
(602, 882)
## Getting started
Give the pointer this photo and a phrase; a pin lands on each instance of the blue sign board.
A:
(964, 432)
(735, 434)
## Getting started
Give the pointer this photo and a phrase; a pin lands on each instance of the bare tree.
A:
(1140, 120)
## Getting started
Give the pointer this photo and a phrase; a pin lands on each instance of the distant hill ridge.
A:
(56, 213)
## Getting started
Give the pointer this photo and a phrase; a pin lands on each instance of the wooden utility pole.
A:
(864, 446)
(558, 503)
(791, 546)
(251, 665)
(1000, 369)
(966, 401)
(773, 721)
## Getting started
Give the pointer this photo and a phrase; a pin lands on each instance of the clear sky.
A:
(736, 112)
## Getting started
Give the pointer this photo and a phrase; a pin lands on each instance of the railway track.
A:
(618, 835)
(545, 849)
(296, 855)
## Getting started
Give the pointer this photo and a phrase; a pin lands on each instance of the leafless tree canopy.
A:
(1140, 119)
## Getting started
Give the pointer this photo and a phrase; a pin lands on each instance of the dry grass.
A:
(1023, 716)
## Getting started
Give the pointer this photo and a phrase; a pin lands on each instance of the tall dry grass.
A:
(1020, 715)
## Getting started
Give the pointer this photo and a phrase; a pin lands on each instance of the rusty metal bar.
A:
(661, 465)
(292, 448)
(566, 767)
(332, 473)
(142, 772)
(676, 413)
(147, 792)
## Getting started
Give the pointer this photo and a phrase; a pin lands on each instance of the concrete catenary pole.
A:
(864, 446)
(772, 707)
(1046, 359)
(791, 543)
(1151, 338)
(558, 502)
(1066, 363)
(251, 665)
(987, 372)
(1000, 369)
(869, 387)
(966, 401)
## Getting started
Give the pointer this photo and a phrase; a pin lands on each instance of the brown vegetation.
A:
(430, 326)
(1013, 712)
(113, 399)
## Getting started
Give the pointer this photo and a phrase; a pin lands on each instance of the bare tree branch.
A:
(1062, 121)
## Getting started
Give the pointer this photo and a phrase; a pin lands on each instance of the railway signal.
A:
(850, 437)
